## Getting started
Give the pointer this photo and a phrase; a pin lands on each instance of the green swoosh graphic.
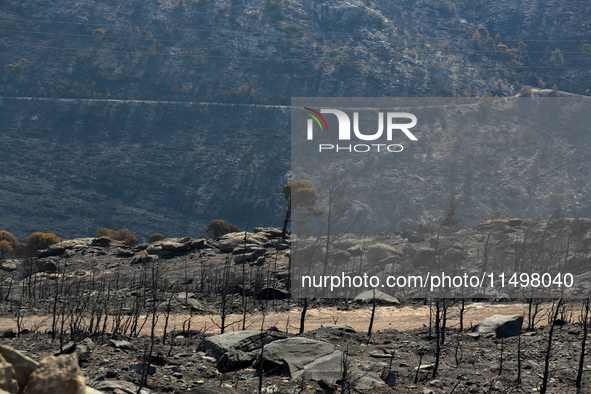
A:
(317, 120)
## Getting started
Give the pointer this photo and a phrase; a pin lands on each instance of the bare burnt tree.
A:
(585, 322)
(546, 376)
(373, 315)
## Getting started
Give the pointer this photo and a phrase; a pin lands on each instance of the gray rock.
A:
(245, 341)
(270, 293)
(391, 379)
(412, 236)
(356, 250)
(23, 365)
(249, 257)
(59, 374)
(500, 326)
(291, 355)
(125, 252)
(337, 327)
(283, 244)
(329, 371)
(123, 387)
(102, 241)
(189, 300)
(378, 252)
(52, 250)
(8, 266)
(122, 344)
(249, 248)
(423, 256)
(214, 390)
(140, 368)
(236, 359)
(340, 257)
(515, 222)
(141, 257)
(174, 246)
(46, 265)
(381, 298)
(269, 232)
(233, 240)
(7, 333)
(8, 377)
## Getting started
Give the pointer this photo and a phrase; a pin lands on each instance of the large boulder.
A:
(291, 355)
(329, 371)
(236, 359)
(245, 341)
(59, 248)
(317, 360)
(500, 326)
(53, 250)
(8, 377)
(23, 365)
(381, 298)
(269, 232)
(355, 250)
(189, 300)
(231, 241)
(378, 252)
(174, 246)
(59, 374)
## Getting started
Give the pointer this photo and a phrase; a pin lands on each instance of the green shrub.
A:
(558, 57)
(292, 29)
(276, 7)
(217, 228)
(17, 67)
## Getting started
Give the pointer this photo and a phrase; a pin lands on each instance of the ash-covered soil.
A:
(469, 364)
(87, 295)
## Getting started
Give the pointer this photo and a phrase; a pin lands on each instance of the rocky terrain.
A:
(186, 314)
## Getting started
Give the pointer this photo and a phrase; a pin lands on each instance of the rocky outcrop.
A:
(175, 246)
(231, 241)
(500, 326)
